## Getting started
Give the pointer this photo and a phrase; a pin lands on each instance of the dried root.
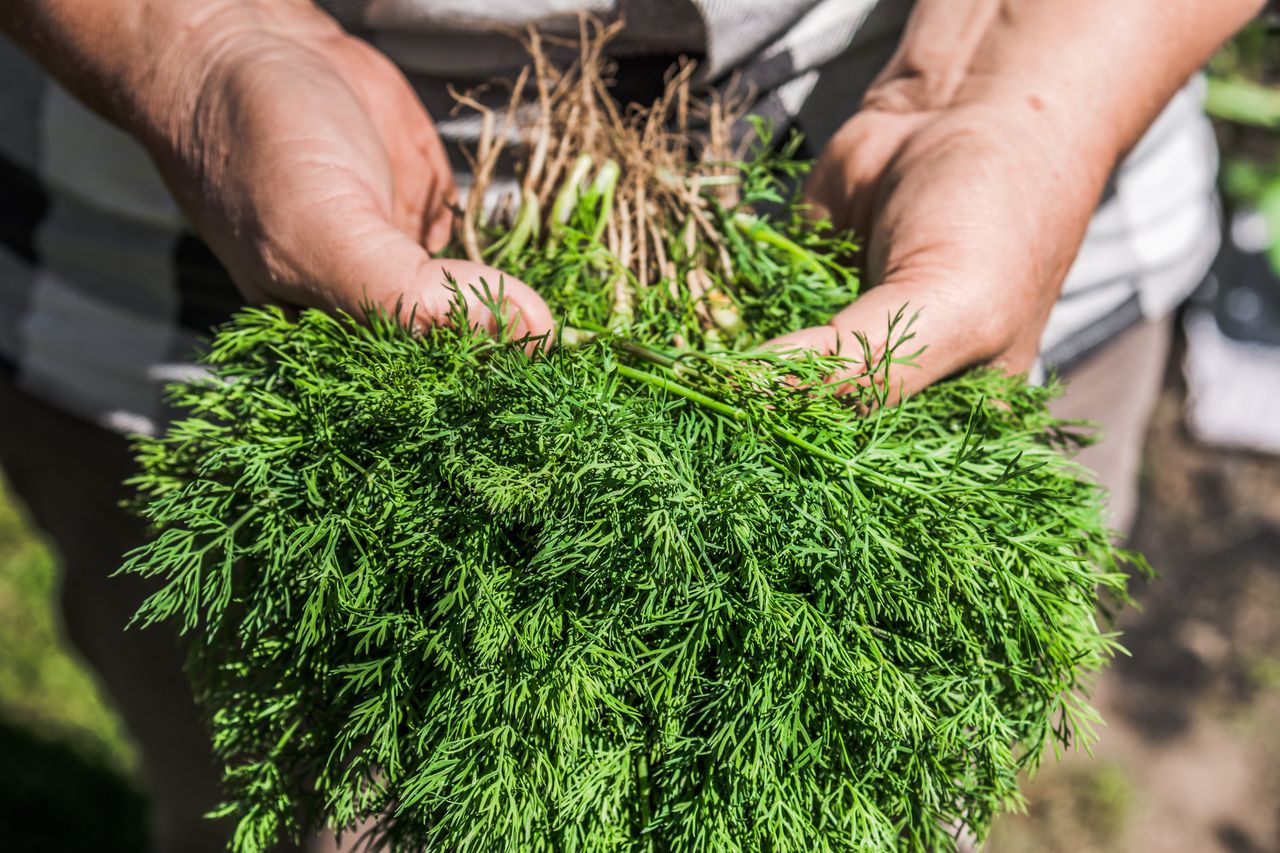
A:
(649, 174)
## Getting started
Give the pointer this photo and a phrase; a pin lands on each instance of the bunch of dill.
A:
(650, 590)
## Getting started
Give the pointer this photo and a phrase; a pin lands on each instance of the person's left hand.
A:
(972, 216)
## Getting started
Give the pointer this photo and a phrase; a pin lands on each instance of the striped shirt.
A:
(104, 290)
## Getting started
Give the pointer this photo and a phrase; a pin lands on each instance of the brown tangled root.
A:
(652, 174)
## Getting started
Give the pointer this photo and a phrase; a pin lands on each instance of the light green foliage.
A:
(624, 595)
(43, 685)
(1243, 92)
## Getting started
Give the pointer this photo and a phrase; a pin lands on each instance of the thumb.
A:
(381, 266)
(440, 282)
(889, 320)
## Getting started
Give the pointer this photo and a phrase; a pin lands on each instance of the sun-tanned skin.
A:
(302, 157)
(298, 152)
(979, 155)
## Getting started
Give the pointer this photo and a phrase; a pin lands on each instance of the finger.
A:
(373, 263)
(438, 231)
(815, 339)
(822, 190)
(837, 192)
(819, 339)
(873, 328)
(845, 183)
(932, 335)
(826, 340)
(441, 192)
(484, 288)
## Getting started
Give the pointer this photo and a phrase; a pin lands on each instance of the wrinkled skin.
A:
(303, 158)
(970, 220)
(979, 156)
(310, 167)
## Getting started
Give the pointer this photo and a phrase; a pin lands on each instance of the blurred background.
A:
(1190, 757)
(1189, 760)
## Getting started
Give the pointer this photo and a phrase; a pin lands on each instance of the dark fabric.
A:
(25, 205)
(206, 295)
(1078, 347)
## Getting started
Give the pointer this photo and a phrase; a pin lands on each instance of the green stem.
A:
(588, 326)
(525, 226)
(643, 353)
(567, 198)
(673, 386)
(670, 386)
(603, 187)
(645, 795)
(755, 228)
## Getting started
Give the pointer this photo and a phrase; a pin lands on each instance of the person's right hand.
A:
(305, 160)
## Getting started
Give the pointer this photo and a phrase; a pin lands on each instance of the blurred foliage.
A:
(1263, 672)
(42, 683)
(67, 779)
(1254, 54)
(1244, 97)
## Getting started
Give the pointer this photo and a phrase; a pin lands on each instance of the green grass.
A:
(67, 771)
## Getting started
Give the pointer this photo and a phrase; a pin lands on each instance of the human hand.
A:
(305, 160)
(979, 156)
(973, 215)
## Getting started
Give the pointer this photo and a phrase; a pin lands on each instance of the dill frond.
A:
(650, 590)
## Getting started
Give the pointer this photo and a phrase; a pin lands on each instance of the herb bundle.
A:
(649, 590)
